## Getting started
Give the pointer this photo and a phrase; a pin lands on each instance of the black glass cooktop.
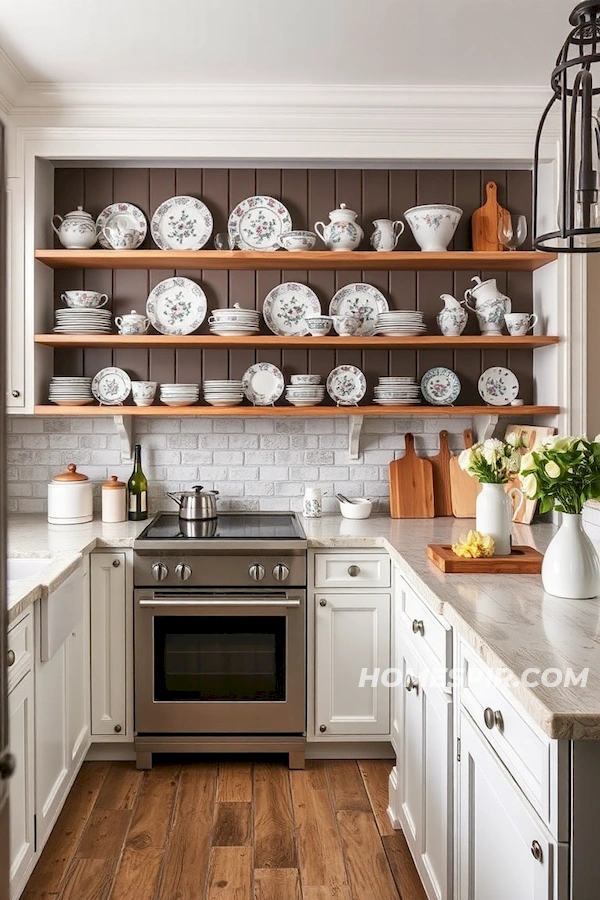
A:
(231, 526)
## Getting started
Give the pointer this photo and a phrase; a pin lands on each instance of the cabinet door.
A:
(504, 850)
(108, 643)
(352, 633)
(78, 682)
(22, 812)
(52, 756)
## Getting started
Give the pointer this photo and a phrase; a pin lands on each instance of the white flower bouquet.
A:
(562, 473)
(493, 461)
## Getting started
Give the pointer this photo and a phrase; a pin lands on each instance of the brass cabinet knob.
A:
(116, 563)
(322, 602)
(16, 394)
(493, 718)
(322, 728)
(536, 851)
(10, 658)
(411, 683)
(353, 571)
(418, 626)
(118, 729)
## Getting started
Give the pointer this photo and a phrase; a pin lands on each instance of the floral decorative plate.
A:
(263, 384)
(111, 386)
(346, 385)
(362, 300)
(176, 306)
(256, 223)
(440, 386)
(498, 386)
(181, 223)
(138, 222)
(287, 306)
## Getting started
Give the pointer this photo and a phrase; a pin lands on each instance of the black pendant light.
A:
(572, 81)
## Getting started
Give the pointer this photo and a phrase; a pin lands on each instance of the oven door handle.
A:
(289, 603)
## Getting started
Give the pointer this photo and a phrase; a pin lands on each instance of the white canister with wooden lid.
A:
(70, 498)
(114, 495)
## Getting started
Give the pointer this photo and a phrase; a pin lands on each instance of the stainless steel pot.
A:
(198, 529)
(196, 505)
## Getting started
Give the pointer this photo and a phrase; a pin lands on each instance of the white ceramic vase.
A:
(493, 515)
(570, 567)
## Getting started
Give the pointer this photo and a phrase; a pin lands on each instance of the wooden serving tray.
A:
(522, 561)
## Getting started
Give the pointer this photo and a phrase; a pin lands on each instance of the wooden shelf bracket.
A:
(124, 426)
(355, 425)
(484, 426)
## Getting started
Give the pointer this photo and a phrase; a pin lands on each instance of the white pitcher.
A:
(494, 514)
(387, 234)
(485, 292)
(452, 318)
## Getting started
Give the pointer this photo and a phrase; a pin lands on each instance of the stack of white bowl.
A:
(229, 322)
(400, 322)
(83, 321)
(71, 391)
(223, 393)
(397, 391)
(305, 390)
(179, 394)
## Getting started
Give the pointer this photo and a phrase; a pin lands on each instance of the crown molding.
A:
(12, 83)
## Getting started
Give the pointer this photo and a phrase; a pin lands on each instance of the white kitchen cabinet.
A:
(109, 634)
(21, 785)
(78, 679)
(504, 848)
(352, 633)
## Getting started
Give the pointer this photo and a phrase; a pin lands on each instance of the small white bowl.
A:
(305, 379)
(346, 324)
(297, 240)
(360, 509)
(319, 326)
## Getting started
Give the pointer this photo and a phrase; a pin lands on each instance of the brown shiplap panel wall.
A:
(309, 194)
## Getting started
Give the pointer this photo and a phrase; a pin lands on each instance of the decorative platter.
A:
(176, 306)
(111, 386)
(362, 300)
(286, 307)
(263, 384)
(440, 386)
(181, 223)
(498, 386)
(346, 385)
(137, 221)
(257, 222)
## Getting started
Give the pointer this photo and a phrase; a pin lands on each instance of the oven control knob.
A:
(159, 571)
(257, 572)
(280, 572)
(183, 571)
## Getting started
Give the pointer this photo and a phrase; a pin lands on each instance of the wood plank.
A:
(154, 808)
(375, 774)
(277, 884)
(138, 874)
(366, 260)
(330, 892)
(346, 785)
(234, 782)
(440, 464)
(186, 858)
(230, 874)
(105, 834)
(89, 879)
(56, 857)
(368, 870)
(274, 845)
(120, 787)
(232, 825)
(320, 859)
(402, 866)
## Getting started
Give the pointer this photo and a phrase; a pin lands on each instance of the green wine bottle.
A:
(137, 489)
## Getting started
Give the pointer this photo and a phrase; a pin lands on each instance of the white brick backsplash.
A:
(254, 463)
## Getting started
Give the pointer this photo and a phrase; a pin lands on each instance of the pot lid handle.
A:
(71, 475)
(197, 488)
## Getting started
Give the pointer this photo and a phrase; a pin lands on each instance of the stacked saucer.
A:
(399, 323)
(234, 321)
(223, 393)
(71, 391)
(305, 390)
(83, 321)
(179, 394)
(397, 391)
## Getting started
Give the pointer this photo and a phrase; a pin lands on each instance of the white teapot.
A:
(77, 231)
(343, 231)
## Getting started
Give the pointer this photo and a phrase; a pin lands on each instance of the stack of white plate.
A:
(71, 391)
(223, 393)
(234, 321)
(397, 391)
(400, 322)
(179, 394)
(83, 321)
(302, 393)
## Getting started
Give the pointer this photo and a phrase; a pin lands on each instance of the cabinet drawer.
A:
(423, 627)
(356, 570)
(525, 751)
(20, 643)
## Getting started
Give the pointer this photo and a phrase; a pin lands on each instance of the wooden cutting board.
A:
(522, 561)
(463, 488)
(442, 496)
(411, 485)
(484, 221)
(531, 434)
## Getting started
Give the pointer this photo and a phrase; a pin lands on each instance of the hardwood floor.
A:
(227, 830)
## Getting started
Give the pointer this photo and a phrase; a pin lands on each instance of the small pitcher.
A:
(494, 514)
(485, 292)
(452, 318)
(387, 234)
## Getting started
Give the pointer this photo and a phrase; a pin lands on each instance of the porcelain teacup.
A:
(84, 299)
(346, 325)
(519, 324)
(297, 240)
(143, 392)
(120, 238)
(319, 326)
(132, 323)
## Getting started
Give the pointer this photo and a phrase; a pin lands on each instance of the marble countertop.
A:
(508, 619)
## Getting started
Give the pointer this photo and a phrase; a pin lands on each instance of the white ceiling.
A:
(352, 42)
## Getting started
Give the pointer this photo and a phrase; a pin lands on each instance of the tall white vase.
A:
(570, 567)
(493, 515)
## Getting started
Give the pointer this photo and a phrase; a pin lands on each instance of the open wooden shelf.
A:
(517, 412)
(333, 342)
(367, 260)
